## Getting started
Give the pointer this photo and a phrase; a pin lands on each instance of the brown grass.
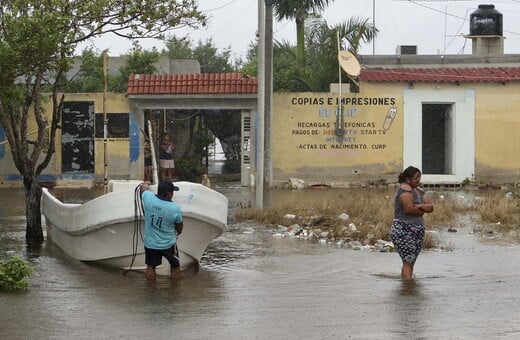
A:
(371, 211)
(499, 210)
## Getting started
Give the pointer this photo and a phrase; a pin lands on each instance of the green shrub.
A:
(466, 182)
(13, 273)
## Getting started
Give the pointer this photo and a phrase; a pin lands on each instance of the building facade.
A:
(456, 118)
(84, 157)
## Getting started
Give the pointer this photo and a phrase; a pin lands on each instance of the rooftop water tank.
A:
(486, 20)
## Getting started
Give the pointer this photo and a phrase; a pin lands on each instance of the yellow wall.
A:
(497, 134)
(305, 145)
(118, 148)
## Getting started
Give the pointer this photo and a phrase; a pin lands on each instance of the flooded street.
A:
(252, 285)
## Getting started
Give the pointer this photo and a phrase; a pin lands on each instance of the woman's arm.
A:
(407, 201)
(427, 206)
(164, 146)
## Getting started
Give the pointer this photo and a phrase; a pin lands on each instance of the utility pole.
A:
(263, 173)
(268, 96)
(259, 121)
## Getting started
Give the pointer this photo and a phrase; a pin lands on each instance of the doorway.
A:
(437, 142)
(439, 133)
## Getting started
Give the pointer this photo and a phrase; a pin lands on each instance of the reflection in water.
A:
(409, 287)
(251, 285)
(12, 221)
(411, 309)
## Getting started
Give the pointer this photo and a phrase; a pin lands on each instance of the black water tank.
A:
(486, 20)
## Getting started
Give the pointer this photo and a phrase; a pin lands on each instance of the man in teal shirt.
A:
(163, 223)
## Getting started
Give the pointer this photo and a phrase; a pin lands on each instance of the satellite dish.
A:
(349, 63)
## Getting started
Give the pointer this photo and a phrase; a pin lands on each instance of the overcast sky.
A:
(436, 27)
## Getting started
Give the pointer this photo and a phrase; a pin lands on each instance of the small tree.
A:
(37, 42)
(208, 56)
(14, 273)
(138, 61)
(225, 125)
(89, 77)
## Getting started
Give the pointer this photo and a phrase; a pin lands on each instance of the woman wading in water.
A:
(407, 231)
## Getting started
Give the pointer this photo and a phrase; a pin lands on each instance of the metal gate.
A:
(246, 149)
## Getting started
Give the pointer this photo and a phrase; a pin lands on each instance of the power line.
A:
(416, 2)
(220, 7)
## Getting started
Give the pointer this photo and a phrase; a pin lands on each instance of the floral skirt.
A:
(408, 239)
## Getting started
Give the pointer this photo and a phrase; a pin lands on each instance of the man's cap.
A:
(165, 187)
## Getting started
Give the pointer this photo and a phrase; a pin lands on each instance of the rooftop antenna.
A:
(374, 24)
(349, 63)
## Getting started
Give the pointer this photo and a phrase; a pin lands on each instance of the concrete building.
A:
(79, 159)
(454, 116)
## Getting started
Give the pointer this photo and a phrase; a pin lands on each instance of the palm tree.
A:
(322, 51)
(299, 10)
(356, 31)
(321, 68)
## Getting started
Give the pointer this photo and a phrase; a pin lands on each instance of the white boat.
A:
(105, 229)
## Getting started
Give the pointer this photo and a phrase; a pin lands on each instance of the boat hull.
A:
(107, 230)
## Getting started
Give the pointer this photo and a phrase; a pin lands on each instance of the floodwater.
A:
(251, 285)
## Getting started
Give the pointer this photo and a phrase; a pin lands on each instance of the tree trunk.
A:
(34, 231)
(300, 42)
(231, 145)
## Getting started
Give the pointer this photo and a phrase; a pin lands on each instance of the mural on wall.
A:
(312, 133)
(389, 118)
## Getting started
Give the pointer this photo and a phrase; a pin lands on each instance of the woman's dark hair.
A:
(409, 172)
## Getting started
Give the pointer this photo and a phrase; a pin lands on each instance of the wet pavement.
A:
(251, 285)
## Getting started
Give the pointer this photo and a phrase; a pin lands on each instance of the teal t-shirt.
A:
(160, 217)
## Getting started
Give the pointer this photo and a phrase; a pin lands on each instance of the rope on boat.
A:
(138, 218)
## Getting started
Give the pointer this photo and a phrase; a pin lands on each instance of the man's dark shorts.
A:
(153, 257)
